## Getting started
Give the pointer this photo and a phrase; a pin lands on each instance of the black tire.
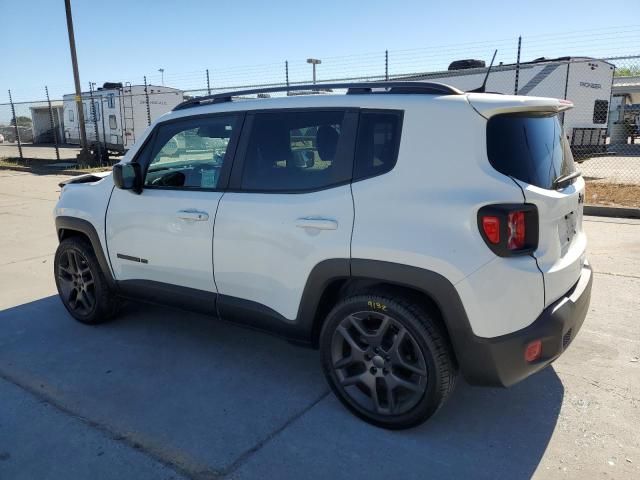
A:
(404, 359)
(81, 284)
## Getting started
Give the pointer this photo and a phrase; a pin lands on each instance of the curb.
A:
(616, 212)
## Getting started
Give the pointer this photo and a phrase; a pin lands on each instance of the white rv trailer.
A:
(586, 82)
(120, 113)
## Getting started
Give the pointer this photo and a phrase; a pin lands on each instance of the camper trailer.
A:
(119, 114)
(586, 82)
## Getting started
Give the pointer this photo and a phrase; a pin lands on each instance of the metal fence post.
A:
(95, 121)
(386, 65)
(515, 92)
(208, 83)
(54, 130)
(286, 74)
(146, 94)
(15, 124)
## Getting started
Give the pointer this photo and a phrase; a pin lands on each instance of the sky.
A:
(247, 42)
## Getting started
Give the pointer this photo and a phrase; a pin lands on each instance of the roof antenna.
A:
(482, 88)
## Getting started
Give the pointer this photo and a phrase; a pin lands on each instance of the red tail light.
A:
(491, 227)
(516, 230)
(509, 229)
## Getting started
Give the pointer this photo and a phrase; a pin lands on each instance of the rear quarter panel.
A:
(424, 213)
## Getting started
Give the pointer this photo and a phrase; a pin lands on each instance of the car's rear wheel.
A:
(81, 284)
(387, 360)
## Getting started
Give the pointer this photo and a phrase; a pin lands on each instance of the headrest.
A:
(327, 142)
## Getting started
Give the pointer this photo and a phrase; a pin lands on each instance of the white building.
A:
(41, 123)
(624, 114)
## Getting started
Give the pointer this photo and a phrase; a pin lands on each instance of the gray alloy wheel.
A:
(386, 358)
(76, 282)
(82, 285)
(378, 363)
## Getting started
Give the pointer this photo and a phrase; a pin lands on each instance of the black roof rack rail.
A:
(406, 87)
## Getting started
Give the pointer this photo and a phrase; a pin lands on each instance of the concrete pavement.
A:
(161, 393)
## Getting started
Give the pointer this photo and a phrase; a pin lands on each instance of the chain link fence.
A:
(603, 128)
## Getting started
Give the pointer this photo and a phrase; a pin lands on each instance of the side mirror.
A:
(128, 176)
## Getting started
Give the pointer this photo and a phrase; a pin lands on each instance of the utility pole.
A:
(161, 70)
(83, 157)
(314, 62)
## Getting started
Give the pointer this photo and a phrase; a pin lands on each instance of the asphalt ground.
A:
(161, 393)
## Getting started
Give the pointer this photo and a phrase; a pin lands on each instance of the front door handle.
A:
(193, 215)
(317, 222)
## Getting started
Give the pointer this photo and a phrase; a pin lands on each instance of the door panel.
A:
(165, 234)
(266, 241)
(265, 245)
(162, 229)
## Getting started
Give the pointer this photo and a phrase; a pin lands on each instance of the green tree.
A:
(628, 71)
(22, 121)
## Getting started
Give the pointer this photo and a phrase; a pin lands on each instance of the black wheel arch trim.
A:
(474, 361)
(79, 225)
(443, 294)
(474, 355)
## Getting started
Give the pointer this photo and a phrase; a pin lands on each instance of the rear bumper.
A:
(500, 361)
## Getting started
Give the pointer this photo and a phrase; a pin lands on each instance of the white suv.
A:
(407, 229)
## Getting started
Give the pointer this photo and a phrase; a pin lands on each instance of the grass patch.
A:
(613, 194)
(8, 162)
(41, 166)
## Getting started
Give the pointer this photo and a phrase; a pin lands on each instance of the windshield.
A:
(531, 148)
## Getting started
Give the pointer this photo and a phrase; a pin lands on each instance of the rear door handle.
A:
(317, 223)
(193, 215)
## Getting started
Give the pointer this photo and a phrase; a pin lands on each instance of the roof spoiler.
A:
(489, 105)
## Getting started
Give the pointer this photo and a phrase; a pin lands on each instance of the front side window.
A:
(297, 151)
(113, 124)
(190, 154)
(110, 101)
(70, 115)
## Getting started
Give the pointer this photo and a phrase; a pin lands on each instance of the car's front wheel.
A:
(387, 360)
(81, 284)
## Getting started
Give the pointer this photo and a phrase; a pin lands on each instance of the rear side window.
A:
(297, 151)
(378, 143)
(530, 148)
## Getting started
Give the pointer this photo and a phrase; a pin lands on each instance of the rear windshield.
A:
(531, 148)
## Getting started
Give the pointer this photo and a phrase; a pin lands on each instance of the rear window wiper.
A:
(564, 180)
